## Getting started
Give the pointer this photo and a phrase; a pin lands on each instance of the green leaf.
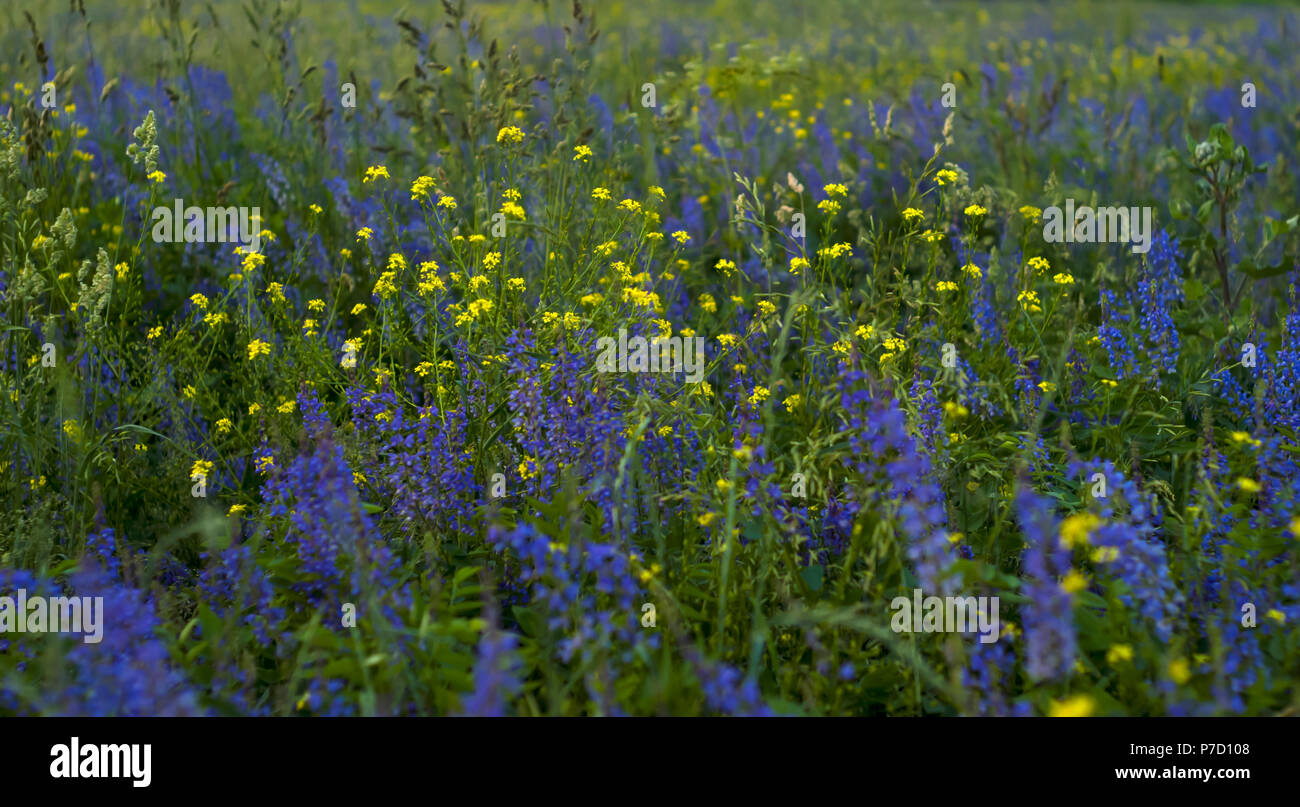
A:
(813, 576)
(1248, 267)
(464, 574)
(529, 622)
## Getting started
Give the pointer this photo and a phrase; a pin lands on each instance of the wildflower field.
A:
(649, 358)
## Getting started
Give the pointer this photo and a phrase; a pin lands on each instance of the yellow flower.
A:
(1105, 554)
(600, 194)
(797, 265)
(156, 177)
(973, 271)
(945, 176)
(1073, 706)
(836, 250)
(1076, 528)
(285, 407)
(236, 509)
(1074, 581)
(1244, 437)
(1247, 484)
(946, 285)
(708, 303)
(154, 332)
(420, 188)
(793, 402)
(201, 468)
(264, 464)
(528, 468)
(1039, 265)
(1180, 671)
(384, 286)
(1118, 653)
(1063, 278)
(1031, 213)
(511, 135)
(364, 234)
(974, 211)
(581, 153)
(224, 425)
(1046, 386)
(375, 172)
(258, 348)
(759, 395)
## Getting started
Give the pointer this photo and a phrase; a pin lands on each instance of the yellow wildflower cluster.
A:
(510, 135)
(385, 286)
(473, 311)
(1029, 299)
(836, 250)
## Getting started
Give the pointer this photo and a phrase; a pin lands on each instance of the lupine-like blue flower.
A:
(1048, 617)
(496, 677)
(1138, 558)
(888, 457)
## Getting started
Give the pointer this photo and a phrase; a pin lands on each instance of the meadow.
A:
(376, 454)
